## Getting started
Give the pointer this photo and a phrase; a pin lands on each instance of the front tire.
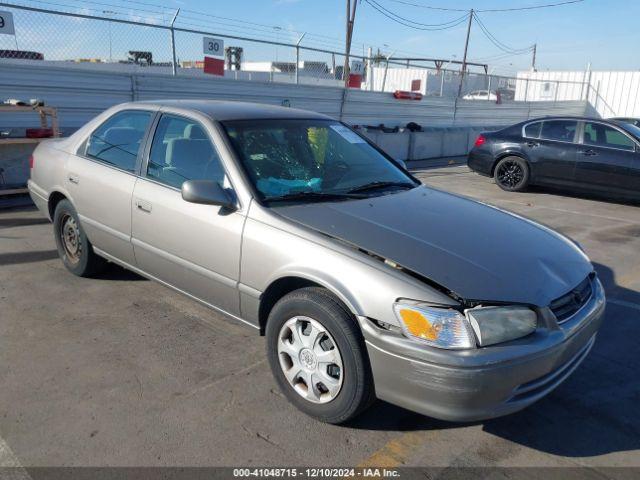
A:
(318, 357)
(512, 174)
(72, 243)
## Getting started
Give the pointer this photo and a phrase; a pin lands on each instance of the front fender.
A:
(365, 284)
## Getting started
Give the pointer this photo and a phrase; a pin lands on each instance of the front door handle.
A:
(532, 144)
(144, 206)
(589, 152)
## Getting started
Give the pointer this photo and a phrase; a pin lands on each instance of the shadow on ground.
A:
(22, 222)
(593, 413)
(117, 273)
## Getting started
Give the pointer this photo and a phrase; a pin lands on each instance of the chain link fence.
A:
(96, 39)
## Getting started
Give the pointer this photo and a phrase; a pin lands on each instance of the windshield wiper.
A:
(380, 184)
(312, 196)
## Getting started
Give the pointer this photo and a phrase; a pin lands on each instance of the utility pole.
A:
(464, 58)
(533, 60)
(351, 15)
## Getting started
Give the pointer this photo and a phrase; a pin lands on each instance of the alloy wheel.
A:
(510, 174)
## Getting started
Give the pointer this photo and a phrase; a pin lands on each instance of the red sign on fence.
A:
(355, 80)
(214, 66)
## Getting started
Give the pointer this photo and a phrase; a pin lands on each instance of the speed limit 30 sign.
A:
(213, 46)
(6, 23)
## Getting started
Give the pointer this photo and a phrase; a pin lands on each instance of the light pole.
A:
(110, 12)
(277, 29)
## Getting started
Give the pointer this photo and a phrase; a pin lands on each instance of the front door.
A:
(194, 248)
(101, 177)
(605, 159)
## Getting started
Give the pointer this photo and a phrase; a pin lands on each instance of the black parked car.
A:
(587, 154)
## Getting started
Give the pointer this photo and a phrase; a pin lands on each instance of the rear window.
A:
(533, 130)
(562, 130)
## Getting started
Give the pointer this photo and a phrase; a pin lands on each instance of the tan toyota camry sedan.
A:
(365, 283)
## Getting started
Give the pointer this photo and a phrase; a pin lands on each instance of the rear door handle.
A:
(588, 153)
(144, 206)
(73, 178)
(532, 144)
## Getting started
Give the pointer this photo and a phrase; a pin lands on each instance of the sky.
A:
(602, 32)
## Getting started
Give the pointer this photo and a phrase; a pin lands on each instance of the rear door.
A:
(192, 247)
(605, 158)
(551, 147)
(101, 176)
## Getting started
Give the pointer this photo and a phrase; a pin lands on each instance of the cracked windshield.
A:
(312, 159)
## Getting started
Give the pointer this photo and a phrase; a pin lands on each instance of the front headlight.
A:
(448, 328)
(438, 327)
(500, 324)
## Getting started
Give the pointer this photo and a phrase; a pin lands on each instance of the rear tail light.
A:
(30, 162)
(479, 141)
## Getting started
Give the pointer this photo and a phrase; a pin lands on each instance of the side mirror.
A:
(402, 163)
(207, 192)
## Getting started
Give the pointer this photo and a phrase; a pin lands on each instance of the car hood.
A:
(477, 251)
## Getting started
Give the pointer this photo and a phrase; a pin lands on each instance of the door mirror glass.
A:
(207, 192)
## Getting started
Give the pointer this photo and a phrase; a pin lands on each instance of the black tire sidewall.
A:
(80, 268)
(525, 168)
(356, 391)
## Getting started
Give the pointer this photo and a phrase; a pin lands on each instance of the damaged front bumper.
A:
(482, 383)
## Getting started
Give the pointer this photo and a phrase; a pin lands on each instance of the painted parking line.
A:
(573, 212)
(395, 452)
(10, 462)
(624, 303)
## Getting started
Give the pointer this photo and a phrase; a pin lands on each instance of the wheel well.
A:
(275, 292)
(504, 155)
(54, 199)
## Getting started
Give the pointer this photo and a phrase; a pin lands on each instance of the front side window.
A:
(117, 141)
(181, 150)
(600, 135)
(562, 130)
(285, 157)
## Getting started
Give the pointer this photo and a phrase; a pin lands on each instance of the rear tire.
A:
(323, 369)
(512, 174)
(72, 243)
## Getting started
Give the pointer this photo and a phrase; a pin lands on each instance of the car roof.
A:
(569, 117)
(229, 110)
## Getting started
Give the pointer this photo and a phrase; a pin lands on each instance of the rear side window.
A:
(563, 130)
(117, 141)
(533, 130)
(181, 150)
(600, 135)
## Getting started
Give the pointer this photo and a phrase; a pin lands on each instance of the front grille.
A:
(568, 304)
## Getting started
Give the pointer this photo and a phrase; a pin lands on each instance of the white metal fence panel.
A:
(610, 93)
(80, 95)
